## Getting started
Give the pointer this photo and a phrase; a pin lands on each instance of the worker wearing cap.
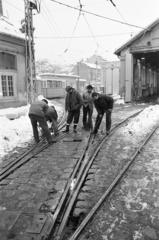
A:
(87, 108)
(37, 113)
(73, 103)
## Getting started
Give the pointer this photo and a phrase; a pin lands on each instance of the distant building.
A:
(12, 64)
(139, 64)
(89, 71)
(104, 75)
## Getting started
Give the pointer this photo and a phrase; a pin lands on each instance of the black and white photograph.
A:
(79, 120)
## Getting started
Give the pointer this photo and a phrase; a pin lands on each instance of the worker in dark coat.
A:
(73, 103)
(37, 113)
(52, 116)
(87, 108)
(103, 104)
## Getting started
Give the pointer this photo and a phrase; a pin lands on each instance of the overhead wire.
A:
(95, 14)
(90, 29)
(46, 18)
(51, 18)
(75, 26)
(74, 37)
(122, 17)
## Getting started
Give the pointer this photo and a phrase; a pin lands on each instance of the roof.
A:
(8, 28)
(140, 34)
(57, 75)
(92, 65)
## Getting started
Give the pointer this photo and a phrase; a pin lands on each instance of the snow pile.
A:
(17, 132)
(144, 121)
(13, 113)
(14, 133)
(120, 101)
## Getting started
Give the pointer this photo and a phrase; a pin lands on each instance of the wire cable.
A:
(89, 27)
(95, 14)
(122, 17)
(96, 36)
(74, 29)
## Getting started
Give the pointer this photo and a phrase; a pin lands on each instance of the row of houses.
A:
(135, 76)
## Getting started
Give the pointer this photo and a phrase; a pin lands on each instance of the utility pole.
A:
(27, 27)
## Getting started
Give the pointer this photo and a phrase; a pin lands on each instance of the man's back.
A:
(103, 103)
(38, 108)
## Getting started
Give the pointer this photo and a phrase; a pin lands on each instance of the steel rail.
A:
(66, 192)
(17, 163)
(110, 188)
(61, 124)
(87, 162)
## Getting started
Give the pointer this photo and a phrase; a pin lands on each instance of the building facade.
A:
(12, 66)
(110, 77)
(139, 65)
(90, 72)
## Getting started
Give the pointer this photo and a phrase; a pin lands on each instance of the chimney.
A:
(1, 9)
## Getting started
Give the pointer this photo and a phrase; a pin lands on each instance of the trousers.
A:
(87, 117)
(43, 124)
(99, 119)
(73, 116)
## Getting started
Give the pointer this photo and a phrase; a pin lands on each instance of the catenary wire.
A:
(95, 14)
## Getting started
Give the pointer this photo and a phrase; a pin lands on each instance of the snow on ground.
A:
(144, 121)
(18, 131)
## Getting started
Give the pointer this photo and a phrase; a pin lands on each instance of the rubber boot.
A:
(75, 128)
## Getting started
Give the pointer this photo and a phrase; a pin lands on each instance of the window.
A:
(7, 85)
(7, 61)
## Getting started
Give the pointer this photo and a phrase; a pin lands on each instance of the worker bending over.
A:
(37, 113)
(103, 104)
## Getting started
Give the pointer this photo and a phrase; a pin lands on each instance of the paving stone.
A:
(60, 185)
(83, 196)
(150, 233)
(78, 211)
(53, 203)
(82, 204)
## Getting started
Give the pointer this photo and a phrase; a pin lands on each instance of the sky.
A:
(64, 35)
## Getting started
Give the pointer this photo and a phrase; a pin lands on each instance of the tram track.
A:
(62, 213)
(13, 165)
(111, 187)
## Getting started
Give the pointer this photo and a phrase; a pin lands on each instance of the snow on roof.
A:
(92, 65)
(57, 75)
(8, 28)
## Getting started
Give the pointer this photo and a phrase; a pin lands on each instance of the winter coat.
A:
(87, 100)
(103, 103)
(51, 113)
(73, 101)
(38, 108)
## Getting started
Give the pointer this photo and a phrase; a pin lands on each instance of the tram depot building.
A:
(12, 65)
(139, 65)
